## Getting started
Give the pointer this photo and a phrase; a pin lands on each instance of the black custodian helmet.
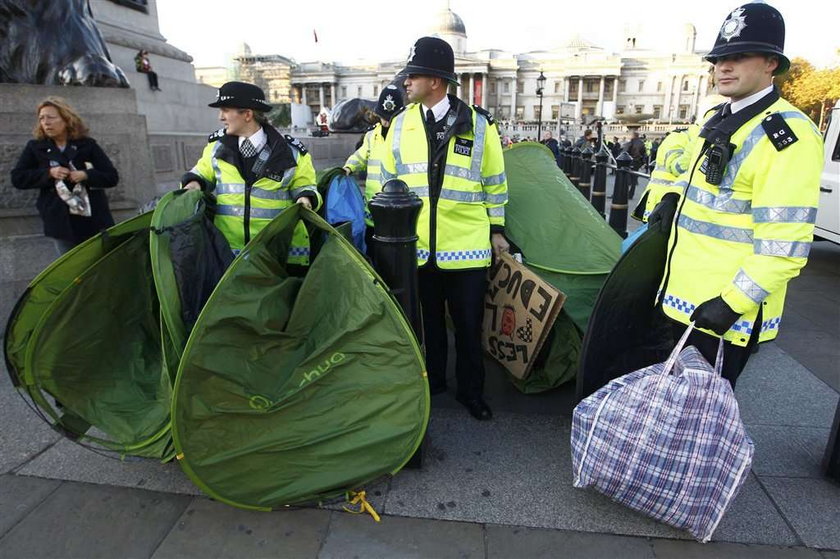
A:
(753, 27)
(390, 102)
(431, 56)
(241, 95)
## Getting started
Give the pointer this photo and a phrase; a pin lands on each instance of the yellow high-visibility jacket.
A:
(241, 210)
(455, 221)
(368, 157)
(663, 179)
(746, 238)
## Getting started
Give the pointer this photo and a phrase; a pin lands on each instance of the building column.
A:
(513, 99)
(472, 88)
(579, 111)
(666, 105)
(321, 95)
(695, 104)
(332, 94)
(601, 97)
(679, 97)
(499, 95)
(615, 89)
(566, 81)
(303, 99)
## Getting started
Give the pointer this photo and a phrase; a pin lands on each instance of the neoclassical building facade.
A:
(582, 79)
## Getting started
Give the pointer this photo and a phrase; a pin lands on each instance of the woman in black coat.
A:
(62, 155)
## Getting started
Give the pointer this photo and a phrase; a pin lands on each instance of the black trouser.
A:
(462, 292)
(153, 81)
(734, 357)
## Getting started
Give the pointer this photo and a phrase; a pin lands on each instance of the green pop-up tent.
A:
(567, 243)
(293, 389)
(279, 385)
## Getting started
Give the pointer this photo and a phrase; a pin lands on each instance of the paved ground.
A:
(497, 489)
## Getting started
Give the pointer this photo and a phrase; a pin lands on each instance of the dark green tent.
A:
(86, 334)
(566, 242)
(295, 389)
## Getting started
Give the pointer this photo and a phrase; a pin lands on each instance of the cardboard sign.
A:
(519, 311)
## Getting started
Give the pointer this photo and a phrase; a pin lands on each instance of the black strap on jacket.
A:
(719, 128)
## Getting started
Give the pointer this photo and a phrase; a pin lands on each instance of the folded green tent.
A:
(292, 385)
(566, 242)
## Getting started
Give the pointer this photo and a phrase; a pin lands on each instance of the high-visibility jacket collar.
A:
(281, 157)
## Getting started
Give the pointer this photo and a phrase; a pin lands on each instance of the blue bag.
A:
(346, 203)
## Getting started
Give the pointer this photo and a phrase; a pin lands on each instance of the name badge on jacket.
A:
(463, 146)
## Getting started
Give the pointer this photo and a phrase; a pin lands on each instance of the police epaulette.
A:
(485, 112)
(217, 135)
(778, 131)
(297, 144)
(714, 109)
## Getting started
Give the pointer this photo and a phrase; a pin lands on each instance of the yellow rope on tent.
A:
(364, 505)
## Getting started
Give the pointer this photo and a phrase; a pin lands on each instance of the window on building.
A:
(537, 113)
(520, 112)
(619, 109)
(622, 86)
(639, 109)
(139, 5)
(344, 92)
(608, 88)
(657, 111)
(683, 112)
(358, 91)
(520, 86)
(556, 87)
(555, 112)
(641, 85)
(375, 90)
(506, 87)
(658, 87)
(685, 85)
(573, 89)
(492, 87)
(589, 86)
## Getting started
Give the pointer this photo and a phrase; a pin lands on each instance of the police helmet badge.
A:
(734, 24)
(411, 54)
(388, 105)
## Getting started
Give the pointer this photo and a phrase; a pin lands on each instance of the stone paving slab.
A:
(812, 506)
(92, 521)
(19, 495)
(775, 389)
(70, 461)
(211, 529)
(665, 549)
(504, 542)
(788, 451)
(352, 536)
(23, 434)
(491, 473)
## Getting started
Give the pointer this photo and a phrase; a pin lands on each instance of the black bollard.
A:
(618, 207)
(567, 160)
(575, 169)
(560, 158)
(395, 211)
(599, 183)
(585, 184)
(831, 462)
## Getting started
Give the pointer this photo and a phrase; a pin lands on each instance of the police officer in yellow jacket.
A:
(253, 171)
(744, 225)
(449, 154)
(367, 157)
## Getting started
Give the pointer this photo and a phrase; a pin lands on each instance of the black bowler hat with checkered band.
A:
(241, 95)
(431, 56)
(753, 27)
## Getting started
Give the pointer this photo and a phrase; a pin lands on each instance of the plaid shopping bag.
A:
(666, 440)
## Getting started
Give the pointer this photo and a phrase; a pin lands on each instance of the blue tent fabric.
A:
(346, 204)
(628, 242)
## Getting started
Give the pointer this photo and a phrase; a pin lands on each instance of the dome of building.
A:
(448, 22)
(244, 49)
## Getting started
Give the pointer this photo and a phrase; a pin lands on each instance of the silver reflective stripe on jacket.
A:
(725, 204)
(239, 211)
(785, 214)
(733, 234)
(749, 287)
(791, 249)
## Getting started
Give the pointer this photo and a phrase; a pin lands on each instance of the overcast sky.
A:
(353, 30)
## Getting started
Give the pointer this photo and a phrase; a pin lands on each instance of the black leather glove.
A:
(714, 315)
(664, 212)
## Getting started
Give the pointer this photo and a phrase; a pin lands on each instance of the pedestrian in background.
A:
(144, 66)
(70, 171)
